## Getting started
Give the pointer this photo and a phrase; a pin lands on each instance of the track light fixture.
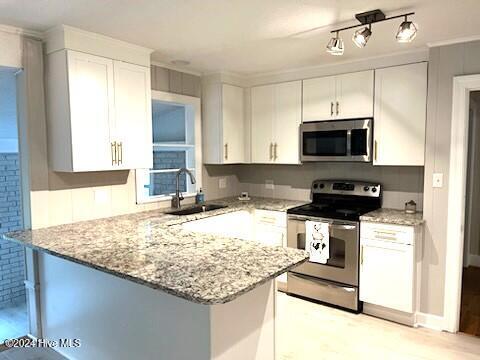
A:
(406, 32)
(361, 36)
(335, 45)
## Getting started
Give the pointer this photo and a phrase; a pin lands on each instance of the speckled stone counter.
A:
(153, 249)
(392, 216)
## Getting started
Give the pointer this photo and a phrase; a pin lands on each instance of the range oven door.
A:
(339, 140)
(342, 266)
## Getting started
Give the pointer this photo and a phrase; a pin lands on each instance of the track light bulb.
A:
(335, 46)
(406, 32)
(361, 36)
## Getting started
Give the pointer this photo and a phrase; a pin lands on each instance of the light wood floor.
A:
(470, 309)
(309, 331)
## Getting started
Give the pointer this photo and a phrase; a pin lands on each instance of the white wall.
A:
(8, 112)
(445, 62)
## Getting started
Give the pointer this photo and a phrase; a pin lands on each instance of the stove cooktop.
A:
(341, 199)
(330, 212)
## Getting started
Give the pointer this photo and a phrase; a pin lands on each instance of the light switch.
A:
(222, 183)
(438, 180)
(269, 185)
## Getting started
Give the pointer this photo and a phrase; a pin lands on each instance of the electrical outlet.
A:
(437, 180)
(269, 185)
(222, 183)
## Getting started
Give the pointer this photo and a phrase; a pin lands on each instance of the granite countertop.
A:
(392, 216)
(153, 248)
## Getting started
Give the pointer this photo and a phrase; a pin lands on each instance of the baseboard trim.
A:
(430, 321)
(474, 260)
(389, 314)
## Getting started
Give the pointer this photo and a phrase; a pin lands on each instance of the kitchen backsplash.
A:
(293, 182)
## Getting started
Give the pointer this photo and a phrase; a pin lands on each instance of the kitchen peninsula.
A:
(99, 283)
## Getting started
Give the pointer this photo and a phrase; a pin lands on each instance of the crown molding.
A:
(419, 51)
(453, 41)
(95, 36)
(20, 31)
(177, 68)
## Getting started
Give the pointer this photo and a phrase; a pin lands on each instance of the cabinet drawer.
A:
(388, 232)
(275, 218)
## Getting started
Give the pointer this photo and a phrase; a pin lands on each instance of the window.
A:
(176, 145)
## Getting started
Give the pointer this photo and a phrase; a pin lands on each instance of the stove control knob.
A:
(322, 186)
(374, 189)
(315, 186)
(366, 188)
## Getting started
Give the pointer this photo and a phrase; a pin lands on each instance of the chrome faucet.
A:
(178, 196)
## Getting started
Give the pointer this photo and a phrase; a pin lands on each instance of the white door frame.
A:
(462, 86)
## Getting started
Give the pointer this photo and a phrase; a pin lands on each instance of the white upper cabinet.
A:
(276, 117)
(98, 102)
(133, 115)
(263, 114)
(354, 95)
(223, 124)
(345, 96)
(319, 99)
(98, 113)
(233, 124)
(400, 115)
(288, 117)
(92, 112)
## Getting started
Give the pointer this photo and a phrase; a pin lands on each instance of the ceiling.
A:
(246, 36)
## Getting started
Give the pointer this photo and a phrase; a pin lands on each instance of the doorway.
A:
(13, 308)
(470, 299)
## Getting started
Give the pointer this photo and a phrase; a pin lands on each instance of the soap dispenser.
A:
(200, 197)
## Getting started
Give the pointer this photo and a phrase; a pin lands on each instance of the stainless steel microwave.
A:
(337, 140)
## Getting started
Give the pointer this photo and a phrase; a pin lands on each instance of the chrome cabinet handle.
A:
(271, 151)
(113, 149)
(375, 150)
(120, 153)
(338, 107)
(331, 108)
(275, 151)
(361, 255)
(226, 151)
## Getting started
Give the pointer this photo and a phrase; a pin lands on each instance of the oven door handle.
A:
(343, 227)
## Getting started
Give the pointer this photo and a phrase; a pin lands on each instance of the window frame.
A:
(192, 107)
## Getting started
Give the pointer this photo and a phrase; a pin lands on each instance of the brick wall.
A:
(165, 183)
(12, 271)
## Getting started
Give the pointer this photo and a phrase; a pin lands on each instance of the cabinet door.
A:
(319, 99)
(288, 116)
(233, 124)
(90, 83)
(354, 95)
(400, 115)
(386, 275)
(133, 116)
(263, 103)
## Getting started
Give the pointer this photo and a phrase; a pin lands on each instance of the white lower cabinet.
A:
(270, 228)
(388, 265)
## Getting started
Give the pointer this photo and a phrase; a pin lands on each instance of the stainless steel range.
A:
(339, 203)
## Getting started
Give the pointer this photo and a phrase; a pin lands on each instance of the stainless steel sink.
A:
(196, 209)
